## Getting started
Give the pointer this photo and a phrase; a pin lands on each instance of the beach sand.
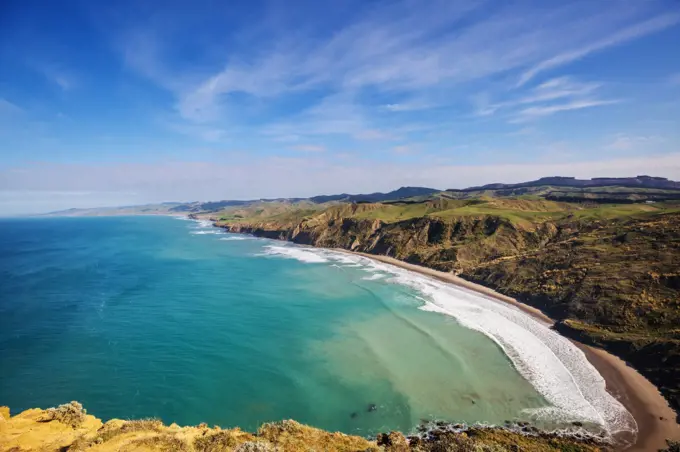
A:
(656, 420)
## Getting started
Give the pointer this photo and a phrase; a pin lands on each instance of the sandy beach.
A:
(655, 419)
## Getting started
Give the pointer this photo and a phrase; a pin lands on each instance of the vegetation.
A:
(602, 257)
(673, 446)
(29, 431)
(608, 272)
(72, 414)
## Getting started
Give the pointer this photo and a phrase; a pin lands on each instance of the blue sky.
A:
(105, 103)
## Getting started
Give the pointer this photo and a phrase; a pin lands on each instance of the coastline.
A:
(653, 415)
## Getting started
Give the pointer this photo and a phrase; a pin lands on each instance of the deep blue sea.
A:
(140, 317)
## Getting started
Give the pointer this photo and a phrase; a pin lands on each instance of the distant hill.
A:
(601, 190)
(145, 209)
(558, 181)
(400, 193)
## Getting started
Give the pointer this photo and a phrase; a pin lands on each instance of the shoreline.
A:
(654, 417)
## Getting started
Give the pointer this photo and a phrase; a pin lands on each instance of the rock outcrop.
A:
(69, 428)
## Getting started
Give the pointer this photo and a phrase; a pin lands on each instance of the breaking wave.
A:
(373, 277)
(302, 254)
(550, 362)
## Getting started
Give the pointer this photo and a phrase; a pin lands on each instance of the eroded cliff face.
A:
(448, 245)
(617, 280)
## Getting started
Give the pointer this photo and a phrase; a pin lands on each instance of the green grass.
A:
(611, 211)
(269, 211)
(522, 210)
(525, 211)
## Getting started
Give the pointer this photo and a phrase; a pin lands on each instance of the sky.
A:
(132, 102)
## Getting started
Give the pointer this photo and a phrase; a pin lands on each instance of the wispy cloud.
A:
(552, 96)
(629, 33)
(626, 142)
(404, 149)
(533, 112)
(63, 81)
(405, 47)
(559, 88)
(7, 108)
(674, 79)
(55, 73)
(388, 70)
(408, 106)
(373, 134)
(309, 148)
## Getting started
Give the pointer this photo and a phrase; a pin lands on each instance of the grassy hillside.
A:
(596, 191)
(610, 273)
(604, 194)
(524, 211)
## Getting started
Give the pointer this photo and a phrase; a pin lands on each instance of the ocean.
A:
(139, 317)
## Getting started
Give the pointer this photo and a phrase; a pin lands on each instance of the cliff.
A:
(611, 282)
(69, 428)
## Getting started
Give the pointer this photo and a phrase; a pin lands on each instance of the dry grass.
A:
(292, 436)
(222, 440)
(162, 442)
(72, 414)
(255, 446)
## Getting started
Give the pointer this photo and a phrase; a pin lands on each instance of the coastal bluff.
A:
(609, 282)
(69, 428)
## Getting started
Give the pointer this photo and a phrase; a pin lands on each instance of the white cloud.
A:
(404, 149)
(642, 143)
(408, 106)
(55, 73)
(402, 47)
(7, 108)
(560, 88)
(552, 96)
(629, 33)
(309, 148)
(373, 134)
(674, 79)
(63, 81)
(536, 112)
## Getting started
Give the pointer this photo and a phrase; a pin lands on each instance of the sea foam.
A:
(557, 368)
(203, 223)
(373, 277)
(302, 254)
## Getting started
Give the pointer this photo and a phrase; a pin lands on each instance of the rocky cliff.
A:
(613, 283)
(69, 428)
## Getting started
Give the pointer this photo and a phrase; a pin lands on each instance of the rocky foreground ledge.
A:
(69, 428)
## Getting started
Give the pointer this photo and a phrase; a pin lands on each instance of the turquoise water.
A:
(155, 317)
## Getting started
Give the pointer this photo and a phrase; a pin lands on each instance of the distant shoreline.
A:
(637, 394)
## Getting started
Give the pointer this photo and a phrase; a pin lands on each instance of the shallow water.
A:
(152, 316)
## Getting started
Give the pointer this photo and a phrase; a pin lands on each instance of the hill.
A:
(609, 273)
(559, 181)
(400, 193)
(567, 189)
